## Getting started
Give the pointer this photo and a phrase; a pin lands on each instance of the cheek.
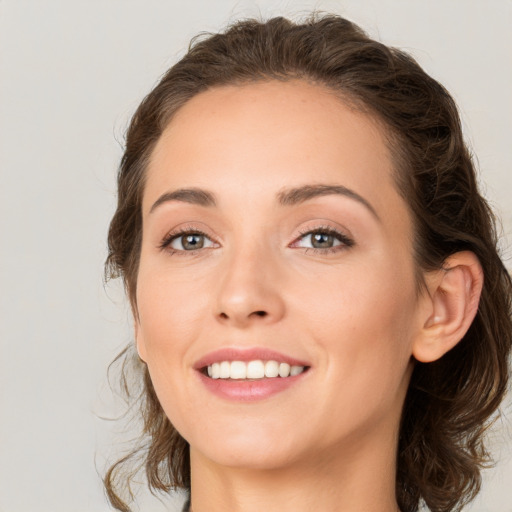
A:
(169, 310)
(357, 298)
(364, 321)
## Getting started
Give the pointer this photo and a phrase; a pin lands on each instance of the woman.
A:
(321, 316)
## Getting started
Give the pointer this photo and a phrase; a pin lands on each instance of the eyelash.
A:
(173, 235)
(346, 242)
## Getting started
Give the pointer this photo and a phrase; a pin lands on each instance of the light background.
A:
(71, 74)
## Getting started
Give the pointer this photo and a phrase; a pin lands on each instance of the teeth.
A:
(271, 369)
(255, 370)
(225, 370)
(238, 370)
(252, 370)
(295, 370)
(284, 370)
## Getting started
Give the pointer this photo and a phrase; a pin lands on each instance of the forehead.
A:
(266, 136)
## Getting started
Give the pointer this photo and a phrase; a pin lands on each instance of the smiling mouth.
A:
(251, 370)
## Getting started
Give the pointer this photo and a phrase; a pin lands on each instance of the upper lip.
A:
(246, 354)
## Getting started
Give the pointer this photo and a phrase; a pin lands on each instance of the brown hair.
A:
(450, 402)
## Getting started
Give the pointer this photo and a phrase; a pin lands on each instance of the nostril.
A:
(237, 316)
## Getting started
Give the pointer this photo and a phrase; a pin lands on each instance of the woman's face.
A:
(273, 233)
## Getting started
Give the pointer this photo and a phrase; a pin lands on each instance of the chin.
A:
(249, 458)
(256, 449)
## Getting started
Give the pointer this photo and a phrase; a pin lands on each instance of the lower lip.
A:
(249, 390)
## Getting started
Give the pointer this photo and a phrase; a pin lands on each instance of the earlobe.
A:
(453, 296)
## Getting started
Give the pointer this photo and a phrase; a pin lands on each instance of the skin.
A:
(353, 312)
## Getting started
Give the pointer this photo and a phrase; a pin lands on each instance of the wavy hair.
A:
(450, 402)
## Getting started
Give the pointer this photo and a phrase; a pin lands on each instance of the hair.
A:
(450, 402)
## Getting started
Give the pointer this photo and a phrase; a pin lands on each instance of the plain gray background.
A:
(71, 74)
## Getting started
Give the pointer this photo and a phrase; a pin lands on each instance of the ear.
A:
(139, 340)
(452, 296)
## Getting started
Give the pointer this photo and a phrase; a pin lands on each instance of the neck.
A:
(362, 480)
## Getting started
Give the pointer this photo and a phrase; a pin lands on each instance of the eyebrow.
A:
(286, 197)
(186, 195)
(293, 196)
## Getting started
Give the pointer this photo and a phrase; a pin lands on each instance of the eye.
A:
(187, 241)
(323, 239)
(320, 241)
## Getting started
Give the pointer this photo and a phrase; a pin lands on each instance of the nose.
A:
(250, 290)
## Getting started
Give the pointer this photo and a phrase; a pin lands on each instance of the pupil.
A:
(322, 240)
(193, 242)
